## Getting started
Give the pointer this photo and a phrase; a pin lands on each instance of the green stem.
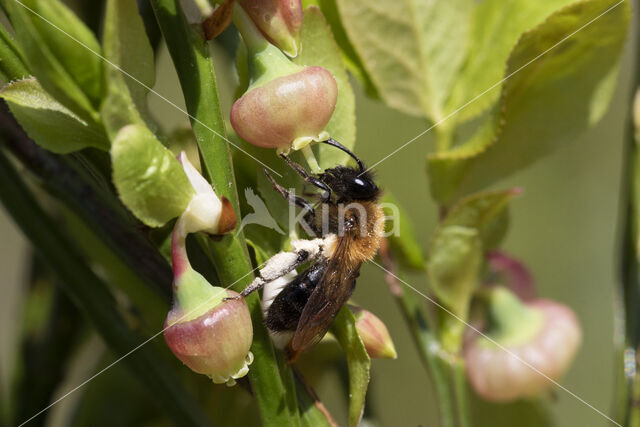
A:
(251, 36)
(93, 296)
(628, 387)
(425, 341)
(629, 384)
(444, 136)
(190, 54)
(12, 66)
(311, 159)
(460, 391)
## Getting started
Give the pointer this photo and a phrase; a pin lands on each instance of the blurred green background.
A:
(564, 226)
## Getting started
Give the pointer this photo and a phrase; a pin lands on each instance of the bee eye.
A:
(363, 188)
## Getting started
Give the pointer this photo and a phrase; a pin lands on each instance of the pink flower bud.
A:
(279, 21)
(541, 337)
(208, 334)
(374, 334)
(288, 111)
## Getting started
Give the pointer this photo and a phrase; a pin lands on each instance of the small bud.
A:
(289, 111)
(374, 334)
(208, 334)
(541, 337)
(206, 212)
(280, 21)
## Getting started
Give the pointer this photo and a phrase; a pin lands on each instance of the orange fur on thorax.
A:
(364, 237)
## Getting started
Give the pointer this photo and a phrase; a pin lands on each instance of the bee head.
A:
(351, 184)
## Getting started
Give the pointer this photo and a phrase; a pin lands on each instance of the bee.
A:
(348, 225)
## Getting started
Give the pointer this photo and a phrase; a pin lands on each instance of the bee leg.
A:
(308, 178)
(298, 201)
(279, 265)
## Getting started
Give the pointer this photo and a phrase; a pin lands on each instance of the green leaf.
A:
(556, 89)
(321, 49)
(126, 46)
(48, 122)
(149, 179)
(496, 26)
(61, 52)
(473, 226)
(351, 59)
(310, 415)
(401, 234)
(411, 49)
(358, 362)
(486, 212)
(453, 266)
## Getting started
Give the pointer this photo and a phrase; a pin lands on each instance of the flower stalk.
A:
(208, 334)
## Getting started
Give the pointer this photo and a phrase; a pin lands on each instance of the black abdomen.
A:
(286, 308)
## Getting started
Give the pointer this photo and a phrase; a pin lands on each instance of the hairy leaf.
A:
(560, 78)
(411, 49)
(358, 362)
(321, 49)
(149, 179)
(496, 26)
(61, 52)
(130, 71)
(49, 123)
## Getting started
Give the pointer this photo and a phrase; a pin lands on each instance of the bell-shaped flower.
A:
(527, 347)
(209, 334)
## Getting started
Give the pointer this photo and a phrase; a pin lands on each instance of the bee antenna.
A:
(336, 144)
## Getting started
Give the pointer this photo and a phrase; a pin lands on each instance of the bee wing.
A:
(331, 293)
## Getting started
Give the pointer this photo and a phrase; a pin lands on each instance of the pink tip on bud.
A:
(374, 334)
(280, 21)
(287, 112)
